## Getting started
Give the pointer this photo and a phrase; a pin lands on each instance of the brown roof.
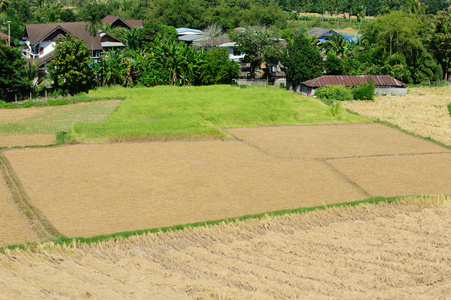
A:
(37, 33)
(3, 35)
(354, 80)
(131, 23)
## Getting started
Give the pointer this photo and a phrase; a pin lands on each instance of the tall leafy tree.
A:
(13, 79)
(441, 41)
(260, 44)
(217, 68)
(70, 67)
(302, 60)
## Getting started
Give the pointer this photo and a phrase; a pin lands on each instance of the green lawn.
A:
(167, 112)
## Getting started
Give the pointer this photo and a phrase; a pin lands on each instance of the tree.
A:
(302, 60)
(70, 67)
(130, 37)
(442, 40)
(92, 26)
(217, 68)
(4, 4)
(260, 44)
(13, 79)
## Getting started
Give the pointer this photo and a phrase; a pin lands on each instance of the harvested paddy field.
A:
(385, 251)
(422, 111)
(88, 190)
(14, 226)
(323, 142)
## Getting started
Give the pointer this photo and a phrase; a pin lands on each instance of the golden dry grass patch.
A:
(422, 111)
(398, 250)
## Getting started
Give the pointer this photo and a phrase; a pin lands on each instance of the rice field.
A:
(54, 119)
(382, 251)
(422, 111)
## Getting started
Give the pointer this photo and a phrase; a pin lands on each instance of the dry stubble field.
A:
(422, 111)
(387, 250)
(382, 251)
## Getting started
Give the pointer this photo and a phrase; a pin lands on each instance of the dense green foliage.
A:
(302, 60)
(218, 69)
(329, 94)
(333, 92)
(166, 112)
(260, 44)
(363, 92)
(70, 67)
(13, 79)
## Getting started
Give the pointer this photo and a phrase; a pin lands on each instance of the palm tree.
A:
(92, 26)
(130, 36)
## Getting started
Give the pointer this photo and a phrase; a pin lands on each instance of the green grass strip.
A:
(101, 238)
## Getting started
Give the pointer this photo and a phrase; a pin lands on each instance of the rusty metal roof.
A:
(354, 80)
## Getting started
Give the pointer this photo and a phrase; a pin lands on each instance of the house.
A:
(115, 21)
(40, 40)
(4, 36)
(384, 84)
(189, 35)
(234, 53)
(323, 34)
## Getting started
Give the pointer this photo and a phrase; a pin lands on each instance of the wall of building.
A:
(49, 46)
(390, 91)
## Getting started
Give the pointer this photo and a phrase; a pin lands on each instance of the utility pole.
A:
(9, 33)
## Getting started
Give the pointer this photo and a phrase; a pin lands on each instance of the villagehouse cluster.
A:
(39, 43)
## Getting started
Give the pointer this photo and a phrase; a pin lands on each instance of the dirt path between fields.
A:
(88, 190)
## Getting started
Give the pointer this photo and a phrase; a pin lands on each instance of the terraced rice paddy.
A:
(398, 250)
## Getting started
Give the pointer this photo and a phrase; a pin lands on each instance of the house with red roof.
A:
(384, 84)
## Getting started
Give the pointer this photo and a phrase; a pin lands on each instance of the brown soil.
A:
(23, 140)
(384, 251)
(87, 190)
(14, 227)
(333, 141)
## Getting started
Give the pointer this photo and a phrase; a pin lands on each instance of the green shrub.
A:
(330, 93)
(363, 92)
(449, 108)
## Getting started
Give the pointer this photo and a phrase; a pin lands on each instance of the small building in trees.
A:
(117, 22)
(4, 36)
(189, 35)
(384, 84)
(322, 34)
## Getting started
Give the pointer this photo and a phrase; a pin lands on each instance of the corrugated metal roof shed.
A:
(354, 80)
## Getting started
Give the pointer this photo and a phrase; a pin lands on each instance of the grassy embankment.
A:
(199, 113)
